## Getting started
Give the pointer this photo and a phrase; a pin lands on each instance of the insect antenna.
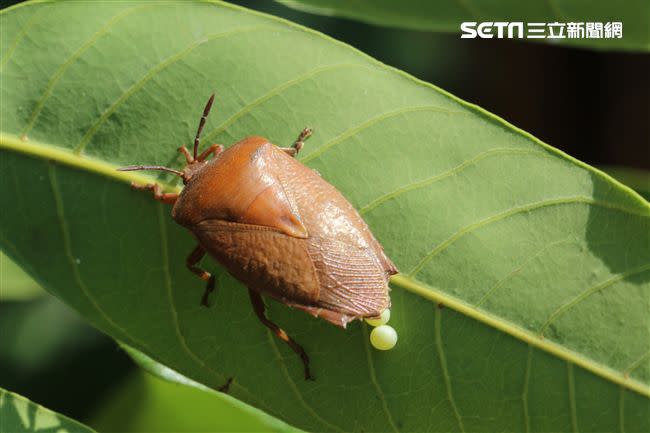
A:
(151, 167)
(204, 117)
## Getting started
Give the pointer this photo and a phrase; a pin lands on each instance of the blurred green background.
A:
(593, 105)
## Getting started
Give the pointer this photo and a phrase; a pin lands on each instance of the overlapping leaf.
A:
(447, 15)
(18, 415)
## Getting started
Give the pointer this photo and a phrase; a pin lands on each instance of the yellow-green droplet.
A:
(383, 337)
(382, 320)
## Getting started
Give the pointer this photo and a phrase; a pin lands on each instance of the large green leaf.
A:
(541, 262)
(18, 415)
(447, 15)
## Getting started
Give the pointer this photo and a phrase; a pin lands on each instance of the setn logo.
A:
(555, 30)
(485, 29)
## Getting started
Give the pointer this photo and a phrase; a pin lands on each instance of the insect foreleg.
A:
(215, 150)
(258, 307)
(168, 198)
(195, 256)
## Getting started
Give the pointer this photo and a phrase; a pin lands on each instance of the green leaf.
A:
(172, 402)
(540, 261)
(447, 15)
(15, 284)
(17, 415)
(637, 179)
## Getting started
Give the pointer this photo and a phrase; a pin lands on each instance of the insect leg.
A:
(195, 256)
(215, 150)
(258, 307)
(168, 197)
(188, 156)
(299, 143)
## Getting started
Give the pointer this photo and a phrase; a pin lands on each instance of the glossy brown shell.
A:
(282, 230)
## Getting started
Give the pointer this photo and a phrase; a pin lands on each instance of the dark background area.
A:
(593, 105)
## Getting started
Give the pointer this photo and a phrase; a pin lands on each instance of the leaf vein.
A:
(588, 292)
(638, 363)
(31, 22)
(443, 365)
(103, 168)
(519, 268)
(370, 122)
(79, 148)
(67, 246)
(572, 397)
(438, 296)
(373, 378)
(294, 387)
(524, 394)
(621, 410)
(4, 241)
(54, 79)
(274, 92)
(164, 251)
(425, 182)
(508, 213)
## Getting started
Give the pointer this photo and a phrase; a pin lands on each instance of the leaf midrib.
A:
(104, 168)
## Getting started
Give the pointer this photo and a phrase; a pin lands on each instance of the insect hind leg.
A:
(195, 256)
(258, 307)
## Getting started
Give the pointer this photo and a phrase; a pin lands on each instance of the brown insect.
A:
(279, 228)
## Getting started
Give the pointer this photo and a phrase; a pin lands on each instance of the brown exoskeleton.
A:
(279, 228)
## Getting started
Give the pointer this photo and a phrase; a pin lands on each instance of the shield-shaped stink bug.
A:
(280, 228)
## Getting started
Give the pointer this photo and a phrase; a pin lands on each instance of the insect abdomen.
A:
(263, 258)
